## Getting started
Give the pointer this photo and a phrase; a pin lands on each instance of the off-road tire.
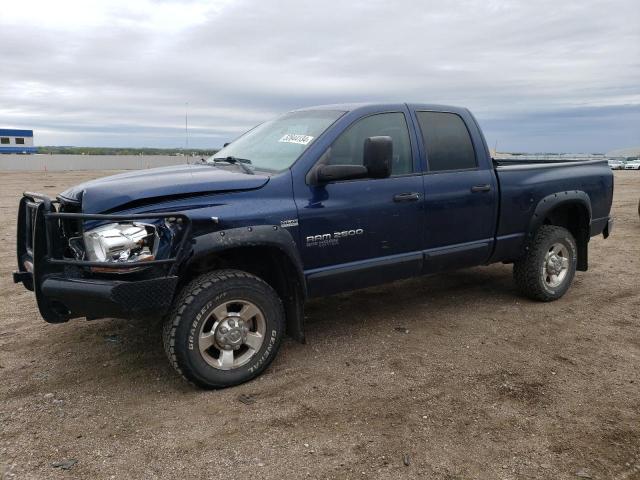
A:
(528, 271)
(181, 327)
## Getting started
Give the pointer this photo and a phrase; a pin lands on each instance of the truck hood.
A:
(143, 186)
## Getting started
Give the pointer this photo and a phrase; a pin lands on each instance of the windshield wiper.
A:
(241, 162)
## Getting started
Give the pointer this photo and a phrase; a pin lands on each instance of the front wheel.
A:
(225, 329)
(547, 269)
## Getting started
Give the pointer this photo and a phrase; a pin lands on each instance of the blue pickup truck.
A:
(317, 201)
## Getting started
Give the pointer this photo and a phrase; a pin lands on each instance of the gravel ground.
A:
(446, 377)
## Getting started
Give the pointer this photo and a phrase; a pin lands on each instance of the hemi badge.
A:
(289, 223)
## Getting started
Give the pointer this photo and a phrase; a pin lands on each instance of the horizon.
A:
(209, 148)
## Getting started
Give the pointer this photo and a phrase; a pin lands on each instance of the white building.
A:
(16, 141)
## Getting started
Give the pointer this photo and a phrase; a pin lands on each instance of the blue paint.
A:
(4, 149)
(8, 132)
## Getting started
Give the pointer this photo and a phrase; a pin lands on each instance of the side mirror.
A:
(227, 143)
(376, 163)
(377, 156)
(332, 173)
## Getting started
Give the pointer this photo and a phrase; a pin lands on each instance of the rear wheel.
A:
(225, 329)
(547, 269)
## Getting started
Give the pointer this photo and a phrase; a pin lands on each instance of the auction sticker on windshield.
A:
(293, 138)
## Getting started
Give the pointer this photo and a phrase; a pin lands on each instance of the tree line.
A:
(125, 151)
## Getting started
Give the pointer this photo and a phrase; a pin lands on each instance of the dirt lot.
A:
(485, 384)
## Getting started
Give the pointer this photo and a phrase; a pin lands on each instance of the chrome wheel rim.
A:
(556, 265)
(232, 334)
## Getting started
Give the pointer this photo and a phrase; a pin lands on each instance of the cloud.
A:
(122, 73)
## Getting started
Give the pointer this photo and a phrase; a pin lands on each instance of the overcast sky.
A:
(539, 75)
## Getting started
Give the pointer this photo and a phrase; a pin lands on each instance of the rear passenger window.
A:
(348, 148)
(447, 141)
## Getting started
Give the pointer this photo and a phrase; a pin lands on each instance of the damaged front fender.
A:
(291, 283)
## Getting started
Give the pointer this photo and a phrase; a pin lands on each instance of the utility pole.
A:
(186, 132)
(186, 126)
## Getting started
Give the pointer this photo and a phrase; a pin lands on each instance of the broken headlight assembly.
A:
(117, 243)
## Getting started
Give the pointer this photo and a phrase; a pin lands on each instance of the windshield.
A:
(274, 145)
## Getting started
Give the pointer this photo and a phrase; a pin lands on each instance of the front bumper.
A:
(100, 298)
(65, 288)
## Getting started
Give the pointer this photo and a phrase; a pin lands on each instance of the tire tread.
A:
(526, 270)
(186, 296)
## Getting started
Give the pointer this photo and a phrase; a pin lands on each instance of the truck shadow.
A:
(414, 298)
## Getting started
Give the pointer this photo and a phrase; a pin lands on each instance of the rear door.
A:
(361, 232)
(460, 192)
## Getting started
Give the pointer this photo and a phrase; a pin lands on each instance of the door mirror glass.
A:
(377, 156)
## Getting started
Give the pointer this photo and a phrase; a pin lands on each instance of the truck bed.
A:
(524, 184)
(506, 162)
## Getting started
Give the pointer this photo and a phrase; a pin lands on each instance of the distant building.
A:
(16, 141)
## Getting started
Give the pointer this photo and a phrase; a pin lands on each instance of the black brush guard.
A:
(61, 295)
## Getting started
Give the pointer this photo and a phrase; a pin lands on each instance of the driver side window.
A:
(348, 148)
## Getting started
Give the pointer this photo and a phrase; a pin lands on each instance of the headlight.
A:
(121, 242)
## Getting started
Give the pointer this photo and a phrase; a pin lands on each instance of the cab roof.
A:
(354, 107)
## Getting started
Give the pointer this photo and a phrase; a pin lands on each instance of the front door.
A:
(362, 232)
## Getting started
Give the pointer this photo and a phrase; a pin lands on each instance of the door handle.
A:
(480, 188)
(406, 197)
